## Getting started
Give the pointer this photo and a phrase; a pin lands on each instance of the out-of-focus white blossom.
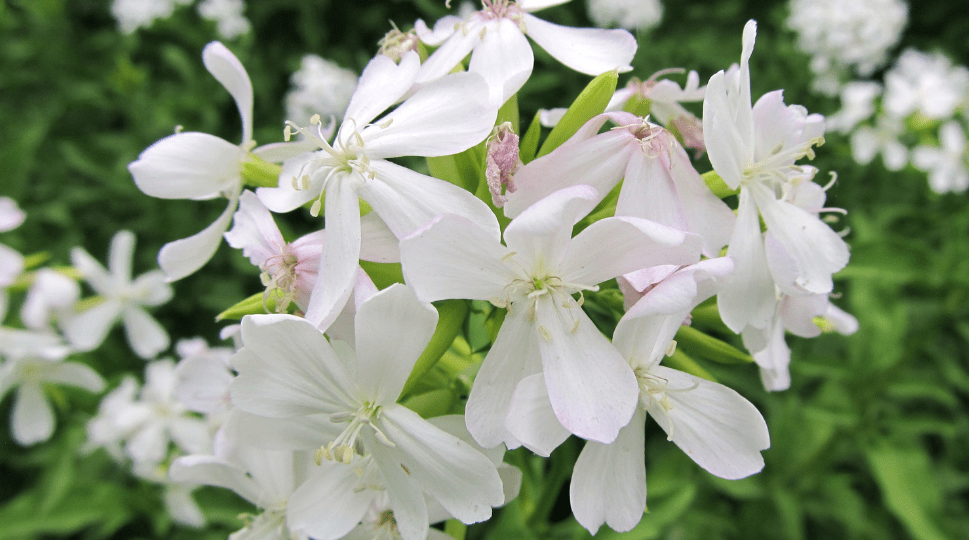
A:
(882, 138)
(319, 87)
(11, 262)
(925, 83)
(628, 14)
(843, 35)
(134, 14)
(946, 164)
(857, 105)
(227, 14)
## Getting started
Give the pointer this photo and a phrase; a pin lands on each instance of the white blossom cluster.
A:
(226, 14)
(319, 87)
(924, 98)
(628, 14)
(846, 37)
(314, 417)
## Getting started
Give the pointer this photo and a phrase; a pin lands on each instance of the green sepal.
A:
(493, 322)
(451, 314)
(36, 259)
(383, 275)
(528, 143)
(591, 102)
(256, 304)
(25, 280)
(697, 343)
(679, 360)
(257, 172)
(430, 404)
(717, 185)
(509, 113)
(455, 529)
(638, 105)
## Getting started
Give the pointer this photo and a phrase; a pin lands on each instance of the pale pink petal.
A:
(504, 58)
(226, 68)
(609, 480)
(591, 387)
(587, 50)
(541, 234)
(381, 84)
(183, 257)
(454, 258)
(254, 231)
(188, 166)
(531, 418)
(32, 419)
(717, 427)
(145, 335)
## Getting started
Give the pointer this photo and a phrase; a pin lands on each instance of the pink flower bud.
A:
(502, 162)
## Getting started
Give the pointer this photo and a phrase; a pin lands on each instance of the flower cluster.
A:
(226, 14)
(325, 414)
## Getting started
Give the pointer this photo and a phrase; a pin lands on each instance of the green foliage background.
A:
(871, 441)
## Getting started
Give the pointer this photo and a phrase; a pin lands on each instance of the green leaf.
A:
(528, 143)
(908, 487)
(697, 343)
(257, 172)
(591, 102)
(679, 360)
(451, 314)
(509, 113)
(256, 304)
(383, 274)
(430, 404)
(717, 185)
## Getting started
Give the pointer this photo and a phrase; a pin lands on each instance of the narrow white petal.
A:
(341, 252)
(392, 329)
(407, 200)
(119, 255)
(228, 70)
(504, 58)
(443, 29)
(406, 499)
(614, 246)
(443, 118)
(92, 272)
(213, 471)
(531, 418)
(32, 420)
(645, 340)
(188, 166)
(74, 374)
(454, 258)
(748, 295)
(87, 329)
(535, 5)
(725, 145)
(145, 335)
(254, 231)
(591, 387)
(381, 84)
(462, 479)
(513, 357)
(451, 52)
(609, 480)
(587, 50)
(717, 427)
(183, 257)
(327, 505)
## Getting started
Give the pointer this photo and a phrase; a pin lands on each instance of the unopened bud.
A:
(502, 162)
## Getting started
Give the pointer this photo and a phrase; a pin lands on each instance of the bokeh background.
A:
(870, 442)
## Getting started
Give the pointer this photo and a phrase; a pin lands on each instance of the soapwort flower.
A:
(495, 38)
(591, 387)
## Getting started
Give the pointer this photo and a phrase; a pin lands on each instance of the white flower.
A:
(545, 332)
(134, 14)
(32, 360)
(659, 181)
(663, 97)
(927, 83)
(227, 14)
(843, 35)
(52, 296)
(946, 165)
(629, 14)
(319, 87)
(309, 394)
(120, 298)
(11, 262)
(882, 138)
(857, 105)
(442, 118)
(495, 37)
(203, 376)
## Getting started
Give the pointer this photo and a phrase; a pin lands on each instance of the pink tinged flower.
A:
(502, 162)
(442, 118)
(659, 181)
(664, 97)
(495, 38)
(121, 298)
(718, 428)
(33, 360)
(341, 401)
(590, 387)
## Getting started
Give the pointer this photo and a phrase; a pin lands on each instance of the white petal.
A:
(188, 166)
(587, 50)
(152, 289)
(540, 235)
(145, 335)
(531, 418)
(226, 68)
(307, 432)
(504, 58)
(285, 198)
(381, 84)
(599, 162)
(443, 29)
(748, 296)
(11, 265)
(591, 387)
(74, 374)
(406, 499)
(183, 257)
(407, 200)
(92, 272)
(341, 252)
(454, 258)
(377, 242)
(392, 328)
(772, 355)
(513, 357)
(535, 5)
(443, 118)
(717, 427)
(327, 505)
(450, 52)
(32, 420)
(213, 471)
(609, 480)
(462, 479)
(119, 255)
(286, 369)
(644, 340)
(725, 144)
(254, 231)
(614, 246)
(11, 216)
(87, 329)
